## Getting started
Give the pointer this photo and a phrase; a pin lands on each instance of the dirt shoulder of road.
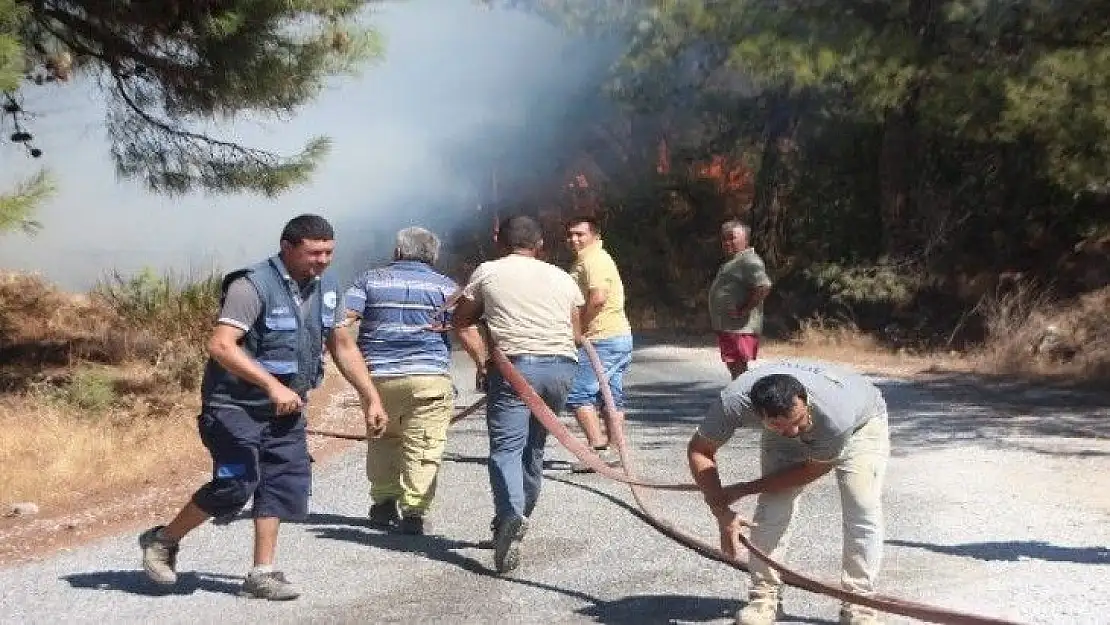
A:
(99, 514)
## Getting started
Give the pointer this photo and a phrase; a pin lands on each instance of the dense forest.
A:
(899, 160)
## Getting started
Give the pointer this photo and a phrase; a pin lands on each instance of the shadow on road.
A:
(670, 403)
(628, 610)
(1015, 550)
(352, 529)
(548, 465)
(656, 608)
(666, 609)
(137, 583)
(952, 409)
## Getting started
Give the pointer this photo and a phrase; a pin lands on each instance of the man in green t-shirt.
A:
(736, 299)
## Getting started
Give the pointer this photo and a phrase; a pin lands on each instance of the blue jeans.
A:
(516, 438)
(615, 354)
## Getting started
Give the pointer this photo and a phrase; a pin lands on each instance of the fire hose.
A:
(543, 413)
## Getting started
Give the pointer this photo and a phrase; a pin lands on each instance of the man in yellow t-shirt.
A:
(606, 326)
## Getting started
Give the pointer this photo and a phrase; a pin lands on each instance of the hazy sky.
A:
(454, 76)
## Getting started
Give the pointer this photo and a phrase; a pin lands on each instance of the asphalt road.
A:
(996, 504)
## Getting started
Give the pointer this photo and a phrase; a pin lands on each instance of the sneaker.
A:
(159, 556)
(411, 525)
(608, 456)
(272, 586)
(385, 515)
(851, 614)
(506, 543)
(764, 608)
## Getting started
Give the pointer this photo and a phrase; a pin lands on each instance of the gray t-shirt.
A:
(840, 401)
(733, 285)
(243, 305)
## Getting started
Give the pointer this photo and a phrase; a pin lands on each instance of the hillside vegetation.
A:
(98, 390)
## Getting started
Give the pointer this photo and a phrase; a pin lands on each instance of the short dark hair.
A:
(773, 395)
(520, 232)
(301, 227)
(590, 220)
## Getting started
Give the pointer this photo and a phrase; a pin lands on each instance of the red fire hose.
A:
(550, 420)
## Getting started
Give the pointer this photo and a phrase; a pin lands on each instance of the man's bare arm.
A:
(471, 340)
(595, 301)
(467, 312)
(224, 348)
(755, 298)
(791, 477)
(353, 368)
(701, 453)
(576, 325)
(351, 364)
(349, 319)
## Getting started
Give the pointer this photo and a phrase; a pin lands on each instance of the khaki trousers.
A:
(403, 463)
(859, 474)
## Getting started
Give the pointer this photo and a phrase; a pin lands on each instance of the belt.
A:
(539, 358)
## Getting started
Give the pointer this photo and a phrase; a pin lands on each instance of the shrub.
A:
(168, 319)
(88, 389)
(168, 306)
(864, 284)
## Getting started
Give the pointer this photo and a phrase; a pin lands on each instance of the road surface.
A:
(997, 502)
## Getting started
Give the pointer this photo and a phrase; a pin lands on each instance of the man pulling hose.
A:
(816, 418)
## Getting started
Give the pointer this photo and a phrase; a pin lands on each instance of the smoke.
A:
(461, 92)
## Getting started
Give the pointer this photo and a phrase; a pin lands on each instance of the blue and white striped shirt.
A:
(396, 303)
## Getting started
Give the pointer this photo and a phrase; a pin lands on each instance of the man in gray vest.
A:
(266, 354)
(815, 417)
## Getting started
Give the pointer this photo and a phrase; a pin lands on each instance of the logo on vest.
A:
(330, 299)
(281, 311)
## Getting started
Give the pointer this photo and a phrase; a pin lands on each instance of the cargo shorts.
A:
(259, 455)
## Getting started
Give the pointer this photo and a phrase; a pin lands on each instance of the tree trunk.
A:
(900, 157)
(766, 209)
(897, 167)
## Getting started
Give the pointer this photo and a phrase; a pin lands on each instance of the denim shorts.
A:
(615, 354)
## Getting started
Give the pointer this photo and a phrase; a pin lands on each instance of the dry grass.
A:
(1031, 336)
(839, 341)
(53, 455)
(98, 391)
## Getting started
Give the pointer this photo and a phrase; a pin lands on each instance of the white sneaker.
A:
(764, 607)
(851, 614)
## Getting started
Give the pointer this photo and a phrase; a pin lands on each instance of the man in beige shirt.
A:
(736, 299)
(532, 311)
(607, 328)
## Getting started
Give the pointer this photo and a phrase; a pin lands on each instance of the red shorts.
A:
(738, 347)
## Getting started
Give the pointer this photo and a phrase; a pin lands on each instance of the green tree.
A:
(17, 207)
(170, 67)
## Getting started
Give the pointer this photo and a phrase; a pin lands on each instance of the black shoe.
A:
(506, 543)
(411, 525)
(385, 515)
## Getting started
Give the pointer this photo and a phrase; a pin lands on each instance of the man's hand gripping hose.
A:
(615, 425)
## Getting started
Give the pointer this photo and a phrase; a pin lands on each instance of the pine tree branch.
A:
(121, 89)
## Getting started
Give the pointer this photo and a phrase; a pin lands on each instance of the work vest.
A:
(285, 342)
